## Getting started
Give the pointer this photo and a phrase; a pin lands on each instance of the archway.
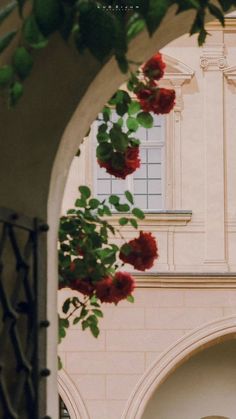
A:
(204, 337)
(96, 95)
(71, 397)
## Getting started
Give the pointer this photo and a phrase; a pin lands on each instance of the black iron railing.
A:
(22, 317)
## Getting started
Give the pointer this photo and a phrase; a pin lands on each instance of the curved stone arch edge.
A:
(71, 396)
(177, 354)
(104, 84)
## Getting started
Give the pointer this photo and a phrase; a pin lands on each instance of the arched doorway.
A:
(191, 344)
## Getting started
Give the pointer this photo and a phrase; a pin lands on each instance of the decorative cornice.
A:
(213, 57)
(230, 74)
(186, 280)
(160, 218)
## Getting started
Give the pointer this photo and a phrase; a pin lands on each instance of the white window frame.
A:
(162, 144)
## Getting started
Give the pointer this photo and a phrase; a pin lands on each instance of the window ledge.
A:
(162, 217)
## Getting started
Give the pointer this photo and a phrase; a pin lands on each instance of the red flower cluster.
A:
(154, 68)
(131, 162)
(156, 99)
(143, 252)
(153, 98)
(108, 290)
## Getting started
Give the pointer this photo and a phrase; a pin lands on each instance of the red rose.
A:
(130, 164)
(84, 286)
(123, 285)
(157, 100)
(164, 101)
(103, 290)
(113, 290)
(154, 68)
(143, 252)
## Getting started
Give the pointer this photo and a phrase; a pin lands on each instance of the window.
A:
(147, 182)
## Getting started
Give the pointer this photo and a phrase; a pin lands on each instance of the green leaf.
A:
(122, 63)
(104, 151)
(126, 249)
(76, 320)
(106, 112)
(130, 298)
(121, 108)
(66, 305)
(122, 207)
(81, 203)
(132, 124)
(32, 34)
(6, 39)
(85, 325)
(138, 213)
(123, 221)
(134, 27)
(85, 192)
(48, 14)
(16, 91)
(102, 128)
(133, 222)
(135, 142)
(184, 5)
(96, 29)
(129, 197)
(155, 13)
(6, 10)
(133, 108)
(94, 330)
(59, 363)
(94, 203)
(114, 199)
(119, 139)
(106, 210)
(22, 62)
(6, 75)
(97, 312)
(145, 119)
(93, 299)
(215, 11)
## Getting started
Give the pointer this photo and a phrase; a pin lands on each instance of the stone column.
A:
(213, 62)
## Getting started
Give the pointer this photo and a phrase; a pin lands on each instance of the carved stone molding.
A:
(190, 344)
(230, 74)
(213, 57)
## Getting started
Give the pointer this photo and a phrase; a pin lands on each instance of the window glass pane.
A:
(141, 201)
(154, 134)
(154, 171)
(143, 155)
(104, 186)
(154, 155)
(141, 134)
(102, 174)
(154, 186)
(155, 202)
(140, 186)
(118, 186)
(141, 172)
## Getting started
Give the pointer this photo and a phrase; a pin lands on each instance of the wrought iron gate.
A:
(22, 317)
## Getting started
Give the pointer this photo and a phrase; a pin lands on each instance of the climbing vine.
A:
(104, 27)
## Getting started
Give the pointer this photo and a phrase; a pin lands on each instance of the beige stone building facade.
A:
(171, 355)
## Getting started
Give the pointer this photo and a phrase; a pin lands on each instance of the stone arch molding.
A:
(71, 396)
(177, 354)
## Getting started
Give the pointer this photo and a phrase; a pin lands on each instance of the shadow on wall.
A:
(204, 387)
